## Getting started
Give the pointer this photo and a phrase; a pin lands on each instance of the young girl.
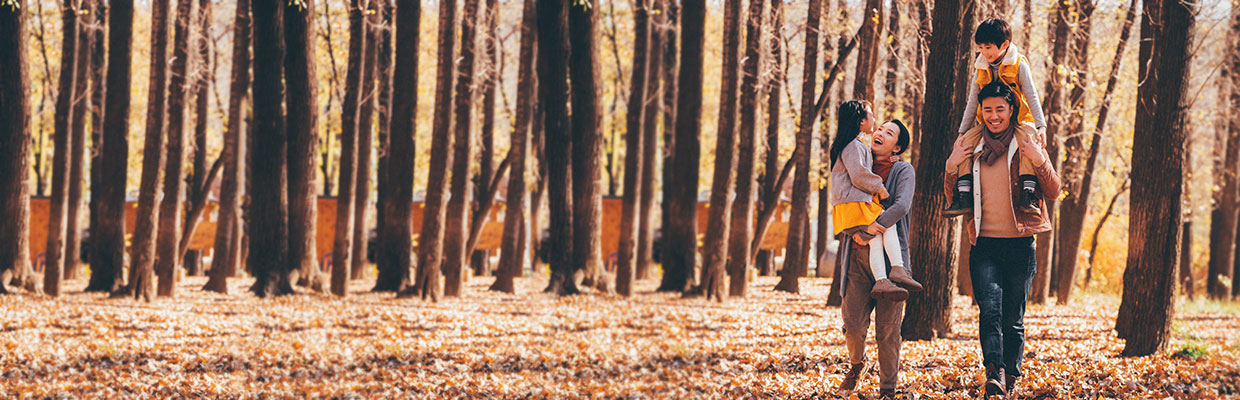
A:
(856, 192)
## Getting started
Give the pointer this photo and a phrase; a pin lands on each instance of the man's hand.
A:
(883, 195)
(875, 229)
(856, 237)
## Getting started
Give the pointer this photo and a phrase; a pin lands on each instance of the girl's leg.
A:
(878, 265)
(891, 245)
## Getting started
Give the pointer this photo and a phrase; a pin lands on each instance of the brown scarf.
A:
(883, 165)
(995, 148)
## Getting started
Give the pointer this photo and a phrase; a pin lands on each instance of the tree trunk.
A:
(57, 219)
(674, 273)
(869, 40)
(1076, 207)
(718, 226)
(917, 86)
(456, 230)
(680, 216)
(202, 178)
(931, 237)
(774, 86)
(633, 149)
(892, 101)
(741, 233)
(587, 144)
(365, 141)
(172, 205)
(77, 152)
(303, 145)
(650, 141)
(1052, 105)
(1227, 210)
(268, 211)
(796, 259)
(511, 261)
(1186, 257)
(431, 241)
(1147, 308)
(480, 259)
(142, 251)
(227, 232)
(1072, 171)
(15, 139)
(103, 271)
(553, 88)
(342, 249)
(383, 68)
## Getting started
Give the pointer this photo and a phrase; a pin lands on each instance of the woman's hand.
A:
(960, 153)
(883, 195)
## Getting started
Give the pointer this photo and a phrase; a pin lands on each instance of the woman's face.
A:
(885, 139)
(867, 123)
(996, 113)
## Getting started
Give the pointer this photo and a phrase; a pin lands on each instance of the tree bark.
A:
(1056, 119)
(383, 68)
(511, 260)
(892, 101)
(201, 178)
(15, 138)
(673, 279)
(431, 241)
(931, 237)
(142, 251)
(553, 87)
(77, 149)
(680, 216)
(301, 100)
(98, 93)
(869, 40)
(268, 211)
(741, 234)
(456, 230)
(633, 145)
(650, 141)
(227, 232)
(172, 205)
(487, 174)
(342, 249)
(57, 219)
(1147, 308)
(797, 257)
(583, 71)
(365, 140)
(1227, 208)
(774, 86)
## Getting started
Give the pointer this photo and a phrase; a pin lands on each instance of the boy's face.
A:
(993, 52)
(997, 114)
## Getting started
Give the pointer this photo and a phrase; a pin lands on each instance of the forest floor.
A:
(534, 345)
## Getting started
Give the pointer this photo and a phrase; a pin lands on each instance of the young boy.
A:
(998, 58)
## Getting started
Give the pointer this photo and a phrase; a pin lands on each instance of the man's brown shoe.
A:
(900, 276)
(884, 289)
(854, 374)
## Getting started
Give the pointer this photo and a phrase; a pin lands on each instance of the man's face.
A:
(996, 113)
(993, 52)
(885, 139)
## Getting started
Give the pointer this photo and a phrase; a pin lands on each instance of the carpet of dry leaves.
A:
(534, 345)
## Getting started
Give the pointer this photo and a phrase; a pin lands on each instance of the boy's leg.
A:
(962, 202)
(1029, 200)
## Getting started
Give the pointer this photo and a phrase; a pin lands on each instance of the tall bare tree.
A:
(511, 261)
(383, 71)
(229, 230)
(583, 71)
(142, 251)
(342, 248)
(770, 164)
(15, 139)
(650, 139)
(456, 229)
(365, 137)
(931, 237)
(633, 145)
(742, 211)
(870, 40)
(103, 272)
(1147, 309)
(268, 209)
(302, 122)
(553, 87)
(1227, 206)
(431, 241)
(167, 247)
(1056, 119)
(57, 219)
(680, 213)
(795, 263)
(77, 145)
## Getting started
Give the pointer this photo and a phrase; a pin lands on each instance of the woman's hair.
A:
(904, 139)
(992, 31)
(997, 88)
(848, 125)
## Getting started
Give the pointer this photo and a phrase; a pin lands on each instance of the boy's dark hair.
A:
(1001, 90)
(904, 139)
(992, 31)
(848, 125)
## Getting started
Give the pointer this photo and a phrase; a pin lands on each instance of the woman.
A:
(1002, 261)
(889, 140)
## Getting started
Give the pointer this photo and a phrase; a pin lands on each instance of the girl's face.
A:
(867, 123)
(885, 139)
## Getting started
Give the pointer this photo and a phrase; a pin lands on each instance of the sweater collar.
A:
(1010, 58)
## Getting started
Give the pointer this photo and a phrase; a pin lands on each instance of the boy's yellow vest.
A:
(1009, 68)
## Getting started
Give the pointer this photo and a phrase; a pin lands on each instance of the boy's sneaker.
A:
(900, 276)
(1029, 195)
(884, 289)
(962, 203)
(854, 374)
